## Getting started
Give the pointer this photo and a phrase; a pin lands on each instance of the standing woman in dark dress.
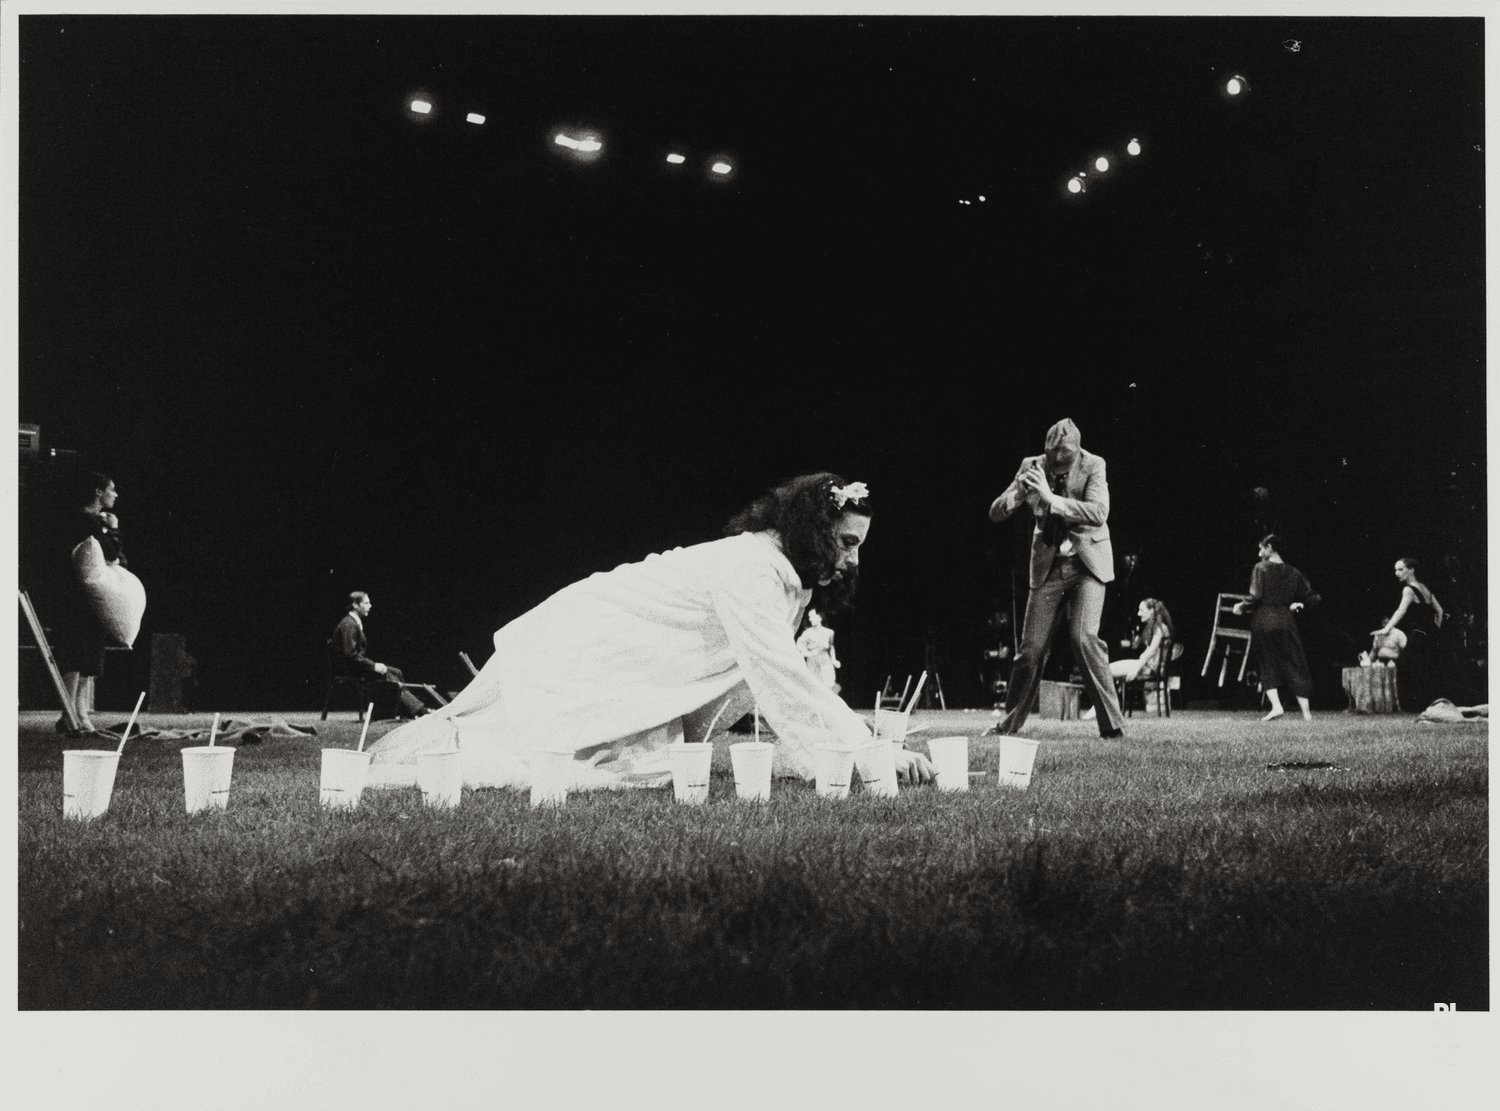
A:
(1277, 591)
(1419, 616)
(80, 636)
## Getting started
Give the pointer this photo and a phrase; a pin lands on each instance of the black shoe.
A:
(1112, 735)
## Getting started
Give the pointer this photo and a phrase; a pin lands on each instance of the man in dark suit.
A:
(347, 647)
(1071, 560)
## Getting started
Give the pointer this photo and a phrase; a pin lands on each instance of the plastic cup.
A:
(206, 771)
(690, 762)
(343, 777)
(441, 777)
(877, 768)
(554, 775)
(950, 756)
(890, 725)
(752, 769)
(835, 768)
(1016, 757)
(88, 781)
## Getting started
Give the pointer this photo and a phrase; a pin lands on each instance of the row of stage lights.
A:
(587, 145)
(1231, 88)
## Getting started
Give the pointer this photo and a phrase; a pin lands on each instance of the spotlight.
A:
(583, 143)
(981, 198)
(1101, 164)
(722, 167)
(1235, 85)
(474, 117)
(420, 107)
(1075, 184)
(1133, 147)
(676, 159)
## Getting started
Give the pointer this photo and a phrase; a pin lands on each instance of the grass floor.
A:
(1173, 869)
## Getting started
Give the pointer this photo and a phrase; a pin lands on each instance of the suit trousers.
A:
(390, 700)
(1072, 591)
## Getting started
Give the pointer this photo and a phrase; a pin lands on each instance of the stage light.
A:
(1133, 147)
(721, 167)
(1101, 164)
(1235, 85)
(981, 198)
(1075, 185)
(676, 159)
(421, 107)
(474, 117)
(585, 144)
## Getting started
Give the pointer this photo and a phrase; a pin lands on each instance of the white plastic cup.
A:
(206, 771)
(88, 781)
(440, 775)
(752, 769)
(877, 768)
(890, 725)
(1016, 758)
(343, 777)
(950, 757)
(690, 764)
(553, 777)
(835, 768)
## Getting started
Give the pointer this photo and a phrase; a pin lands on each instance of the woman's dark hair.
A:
(1411, 564)
(804, 513)
(90, 484)
(1272, 541)
(1159, 616)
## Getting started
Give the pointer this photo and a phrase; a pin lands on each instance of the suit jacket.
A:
(347, 646)
(1084, 511)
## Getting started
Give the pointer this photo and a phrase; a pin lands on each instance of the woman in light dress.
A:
(622, 664)
(1155, 632)
(816, 646)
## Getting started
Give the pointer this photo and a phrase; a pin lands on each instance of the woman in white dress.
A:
(622, 664)
(816, 646)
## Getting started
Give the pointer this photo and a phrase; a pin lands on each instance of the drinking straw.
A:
(715, 721)
(370, 709)
(213, 731)
(130, 723)
(916, 693)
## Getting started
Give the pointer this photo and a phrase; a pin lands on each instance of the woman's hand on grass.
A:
(914, 767)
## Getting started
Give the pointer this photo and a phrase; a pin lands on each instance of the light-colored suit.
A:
(1084, 510)
(1065, 587)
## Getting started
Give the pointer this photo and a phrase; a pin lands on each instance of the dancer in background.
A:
(1277, 592)
(79, 634)
(1071, 561)
(620, 665)
(1419, 616)
(1150, 640)
(816, 645)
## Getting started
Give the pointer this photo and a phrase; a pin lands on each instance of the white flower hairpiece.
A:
(855, 491)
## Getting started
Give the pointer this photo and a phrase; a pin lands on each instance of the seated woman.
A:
(1151, 640)
(620, 665)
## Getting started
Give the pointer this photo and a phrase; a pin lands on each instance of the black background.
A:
(323, 345)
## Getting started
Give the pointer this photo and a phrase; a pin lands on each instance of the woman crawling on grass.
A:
(627, 661)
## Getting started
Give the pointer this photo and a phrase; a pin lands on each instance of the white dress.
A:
(816, 646)
(618, 666)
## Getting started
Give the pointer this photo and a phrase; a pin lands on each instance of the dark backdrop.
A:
(322, 344)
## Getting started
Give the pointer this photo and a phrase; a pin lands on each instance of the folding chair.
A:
(1235, 638)
(887, 700)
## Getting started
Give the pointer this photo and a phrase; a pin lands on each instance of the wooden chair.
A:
(1234, 638)
(1162, 684)
(337, 680)
(888, 700)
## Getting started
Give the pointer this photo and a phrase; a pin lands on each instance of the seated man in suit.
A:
(347, 650)
(1071, 561)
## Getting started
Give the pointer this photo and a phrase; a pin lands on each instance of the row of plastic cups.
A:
(89, 779)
